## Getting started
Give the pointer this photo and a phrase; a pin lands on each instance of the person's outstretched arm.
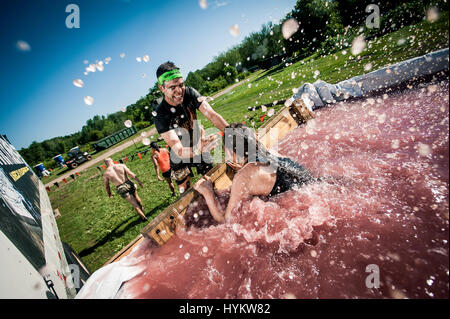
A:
(131, 174)
(106, 183)
(213, 116)
(205, 188)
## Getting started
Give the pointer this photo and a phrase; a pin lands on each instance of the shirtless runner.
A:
(119, 175)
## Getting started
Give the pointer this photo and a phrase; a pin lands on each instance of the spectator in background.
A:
(119, 175)
(161, 160)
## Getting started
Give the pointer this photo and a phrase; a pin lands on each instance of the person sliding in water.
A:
(258, 172)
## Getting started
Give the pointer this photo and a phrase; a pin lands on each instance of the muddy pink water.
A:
(386, 210)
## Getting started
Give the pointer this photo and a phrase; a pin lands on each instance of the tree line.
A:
(324, 26)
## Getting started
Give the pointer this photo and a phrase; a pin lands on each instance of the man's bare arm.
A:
(205, 188)
(132, 175)
(106, 183)
(213, 116)
(155, 163)
(171, 138)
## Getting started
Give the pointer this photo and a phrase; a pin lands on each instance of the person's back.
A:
(119, 175)
(116, 174)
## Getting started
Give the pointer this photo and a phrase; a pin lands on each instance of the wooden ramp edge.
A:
(164, 226)
(125, 250)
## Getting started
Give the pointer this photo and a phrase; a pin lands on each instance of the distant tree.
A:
(36, 153)
(230, 74)
(141, 125)
(353, 12)
(195, 80)
(95, 135)
(317, 19)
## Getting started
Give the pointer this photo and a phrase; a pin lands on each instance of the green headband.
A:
(169, 75)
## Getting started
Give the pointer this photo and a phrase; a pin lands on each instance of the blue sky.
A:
(38, 99)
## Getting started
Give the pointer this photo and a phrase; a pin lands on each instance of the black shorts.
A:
(167, 174)
(202, 168)
(126, 189)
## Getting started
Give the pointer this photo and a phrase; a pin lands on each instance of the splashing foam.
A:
(315, 241)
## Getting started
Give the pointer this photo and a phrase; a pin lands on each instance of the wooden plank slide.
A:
(164, 226)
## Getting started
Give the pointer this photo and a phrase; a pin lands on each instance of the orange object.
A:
(220, 133)
(262, 117)
(125, 159)
(47, 188)
(115, 162)
(64, 180)
(163, 160)
(139, 154)
(167, 146)
(78, 174)
(104, 167)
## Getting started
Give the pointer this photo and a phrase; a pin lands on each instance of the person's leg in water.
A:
(137, 207)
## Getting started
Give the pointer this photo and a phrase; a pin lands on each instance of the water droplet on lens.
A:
(289, 27)
(78, 82)
(358, 45)
(88, 100)
(234, 30)
(203, 4)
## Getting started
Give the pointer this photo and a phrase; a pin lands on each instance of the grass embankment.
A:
(97, 227)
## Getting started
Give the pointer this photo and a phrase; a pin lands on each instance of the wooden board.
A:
(287, 119)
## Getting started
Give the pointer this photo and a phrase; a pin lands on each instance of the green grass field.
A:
(97, 227)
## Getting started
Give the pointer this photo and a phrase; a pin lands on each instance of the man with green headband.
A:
(176, 121)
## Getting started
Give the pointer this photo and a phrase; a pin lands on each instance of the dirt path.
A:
(228, 89)
(96, 160)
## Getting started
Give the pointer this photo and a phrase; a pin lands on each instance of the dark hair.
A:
(154, 146)
(246, 134)
(166, 66)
